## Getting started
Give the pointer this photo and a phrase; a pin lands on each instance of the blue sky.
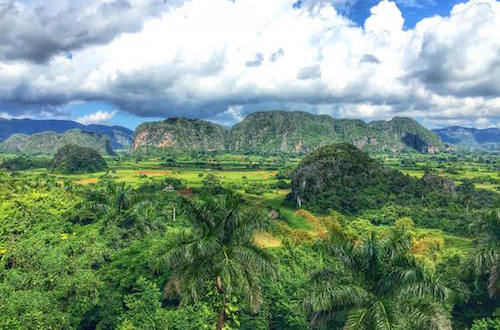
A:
(124, 62)
(412, 10)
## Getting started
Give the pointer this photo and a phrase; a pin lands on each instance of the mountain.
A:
(50, 142)
(178, 135)
(301, 132)
(121, 137)
(471, 138)
(274, 132)
(408, 133)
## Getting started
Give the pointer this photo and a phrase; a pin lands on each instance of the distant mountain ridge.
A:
(471, 138)
(274, 132)
(121, 137)
(47, 143)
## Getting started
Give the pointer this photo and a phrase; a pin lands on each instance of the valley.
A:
(250, 165)
(135, 209)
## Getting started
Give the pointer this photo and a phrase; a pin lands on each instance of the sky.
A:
(123, 62)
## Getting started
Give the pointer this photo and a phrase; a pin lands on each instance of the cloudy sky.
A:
(128, 61)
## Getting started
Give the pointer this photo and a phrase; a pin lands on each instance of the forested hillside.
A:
(121, 137)
(179, 135)
(47, 143)
(282, 132)
(343, 178)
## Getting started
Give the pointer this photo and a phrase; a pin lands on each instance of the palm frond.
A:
(357, 319)
(482, 260)
(381, 314)
(426, 315)
(330, 297)
(493, 280)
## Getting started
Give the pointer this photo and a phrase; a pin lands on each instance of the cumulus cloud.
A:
(37, 30)
(219, 60)
(97, 117)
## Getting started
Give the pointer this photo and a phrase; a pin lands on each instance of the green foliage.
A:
(378, 285)
(219, 255)
(24, 163)
(486, 324)
(47, 143)
(72, 159)
(100, 256)
(144, 310)
(345, 179)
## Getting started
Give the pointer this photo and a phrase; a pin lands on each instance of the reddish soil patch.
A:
(154, 173)
(87, 181)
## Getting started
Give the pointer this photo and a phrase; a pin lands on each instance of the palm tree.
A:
(377, 285)
(486, 258)
(219, 253)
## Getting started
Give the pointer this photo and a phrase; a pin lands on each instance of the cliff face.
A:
(179, 134)
(275, 132)
(407, 133)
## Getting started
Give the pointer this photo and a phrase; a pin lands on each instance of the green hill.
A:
(72, 159)
(275, 132)
(343, 178)
(179, 135)
(407, 133)
(280, 131)
(121, 137)
(50, 142)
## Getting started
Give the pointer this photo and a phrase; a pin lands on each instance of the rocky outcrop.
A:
(179, 135)
(281, 132)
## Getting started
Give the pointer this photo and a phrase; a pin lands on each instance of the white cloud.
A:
(203, 57)
(96, 117)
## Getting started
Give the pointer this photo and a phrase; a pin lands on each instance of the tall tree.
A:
(486, 258)
(376, 284)
(218, 253)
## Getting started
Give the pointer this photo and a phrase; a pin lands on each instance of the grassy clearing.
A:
(267, 240)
